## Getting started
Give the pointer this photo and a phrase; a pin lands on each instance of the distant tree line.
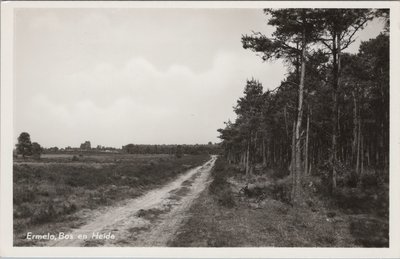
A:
(86, 147)
(332, 109)
(179, 150)
(142, 149)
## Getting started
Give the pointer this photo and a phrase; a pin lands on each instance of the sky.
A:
(142, 76)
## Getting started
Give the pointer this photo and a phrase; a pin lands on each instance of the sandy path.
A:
(148, 220)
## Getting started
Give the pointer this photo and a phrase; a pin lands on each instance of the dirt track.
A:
(149, 220)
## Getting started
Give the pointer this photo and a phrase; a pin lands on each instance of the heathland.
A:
(53, 194)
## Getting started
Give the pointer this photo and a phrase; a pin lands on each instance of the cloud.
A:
(137, 102)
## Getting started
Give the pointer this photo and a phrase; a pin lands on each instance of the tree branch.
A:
(350, 40)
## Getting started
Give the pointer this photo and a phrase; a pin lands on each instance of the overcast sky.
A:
(143, 76)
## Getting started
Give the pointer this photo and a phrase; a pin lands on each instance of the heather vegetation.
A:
(55, 193)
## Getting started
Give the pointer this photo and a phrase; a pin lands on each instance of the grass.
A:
(226, 216)
(49, 194)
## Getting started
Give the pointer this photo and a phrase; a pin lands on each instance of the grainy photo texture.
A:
(177, 127)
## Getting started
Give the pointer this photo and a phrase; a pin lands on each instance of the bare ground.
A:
(149, 220)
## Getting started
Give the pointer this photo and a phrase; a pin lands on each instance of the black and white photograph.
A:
(259, 126)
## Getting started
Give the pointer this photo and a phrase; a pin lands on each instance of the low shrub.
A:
(50, 211)
(281, 190)
(24, 193)
(219, 187)
(23, 211)
(44, 214)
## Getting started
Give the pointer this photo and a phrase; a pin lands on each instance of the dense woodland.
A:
(330, 115)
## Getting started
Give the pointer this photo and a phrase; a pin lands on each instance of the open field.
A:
(85, 157)
(58, 192)
(226, 216)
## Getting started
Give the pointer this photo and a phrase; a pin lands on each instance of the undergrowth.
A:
(234, 212)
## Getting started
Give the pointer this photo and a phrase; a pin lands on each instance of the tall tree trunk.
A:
(368, 155)
(298, 57)
(274, 153)
(297, 194)
(244, 159)
(358, 150)
(362, 153)
(248, 162)
(293, 160)
(382, 156)
(307, 142)
(335, 112)
(286, 125)
(268, 153)
(264, 158)
(355, 128)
